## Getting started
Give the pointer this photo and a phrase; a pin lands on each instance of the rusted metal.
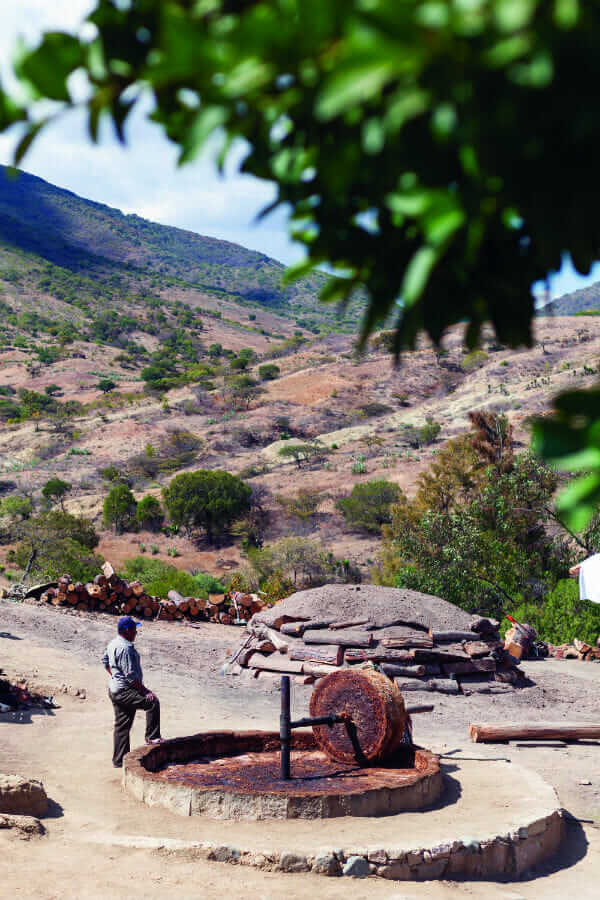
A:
(313, 773)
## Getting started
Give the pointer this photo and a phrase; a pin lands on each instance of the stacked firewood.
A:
(418, 659)
(109, 593)
(577, 650)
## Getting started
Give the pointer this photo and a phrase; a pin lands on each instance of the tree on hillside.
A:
(15, 509)
(303, 454)
(206, 499)
(55, 490)
(374, 122)
(119, 508)
(149, 513)
(55, 542)
(106, 385)
(368, 506)
(268, 372)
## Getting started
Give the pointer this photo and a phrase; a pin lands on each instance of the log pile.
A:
(577, 650)
(453, 662)
(109, 593)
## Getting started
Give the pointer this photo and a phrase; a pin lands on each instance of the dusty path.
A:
(87, 851)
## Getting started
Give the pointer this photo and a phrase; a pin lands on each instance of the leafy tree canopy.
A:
(368, 507)
(55, 542)
(119, 508)
(206, 499)
(55, 490)
(149, 513)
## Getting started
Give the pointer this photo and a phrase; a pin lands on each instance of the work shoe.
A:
(155, 740)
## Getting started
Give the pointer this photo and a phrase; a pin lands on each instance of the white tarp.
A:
(589, 579)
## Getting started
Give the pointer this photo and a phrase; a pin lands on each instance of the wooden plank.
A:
(317, 669)
(276, 662)
(469, 668)
(343, 638)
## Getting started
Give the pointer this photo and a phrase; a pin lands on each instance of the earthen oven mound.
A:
(380, 604)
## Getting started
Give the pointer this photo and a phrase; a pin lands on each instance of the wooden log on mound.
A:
(392, 670)
(417, 641)
(373, 703)
(543, 731)
(343, 638)
(468, 668)
(327, 655)
(379, 654)
(449, 637)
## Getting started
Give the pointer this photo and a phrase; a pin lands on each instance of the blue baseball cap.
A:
(127, 622)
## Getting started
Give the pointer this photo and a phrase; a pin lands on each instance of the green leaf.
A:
(26, 141)
(204, 123)
(47, 68)
(357, 84)
(417, 274)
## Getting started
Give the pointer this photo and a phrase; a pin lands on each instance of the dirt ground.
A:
(94, 846)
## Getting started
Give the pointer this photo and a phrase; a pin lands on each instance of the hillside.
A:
(585, 300)
(75, 240)
(112, 369)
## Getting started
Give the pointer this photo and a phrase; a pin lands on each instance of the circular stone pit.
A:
(236, 775)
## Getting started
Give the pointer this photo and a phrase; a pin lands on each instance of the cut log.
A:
(317, 669)
(379, 654)
(483, 625)
(108, 570)
(436, 655)
(136, 587)
(343, 638)
(375, 706)
(293, 629)
(415, 684)
(317, 624)
(276, 662)
(349, 624)
(332, 655)
(392, 671)
(216, 599)
(448, 637)
(469, 668)
(444, 686)
(475, 649)
(418, 641)
(265, 646)
(542, 731)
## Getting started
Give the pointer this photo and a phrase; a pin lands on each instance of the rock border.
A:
(505, 857)
(225, 802)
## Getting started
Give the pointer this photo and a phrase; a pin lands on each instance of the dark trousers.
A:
(126, 703)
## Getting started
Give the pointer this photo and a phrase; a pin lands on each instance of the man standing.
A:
(126, 689)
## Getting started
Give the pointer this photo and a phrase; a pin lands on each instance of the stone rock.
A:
(25, 826)
(356, 867)
(225, 853)
(431, 870)
(293, 862)
(23, 796)
(395, 872)
(327, 864)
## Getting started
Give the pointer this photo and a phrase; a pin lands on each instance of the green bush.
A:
(268, 372)
(159, 578)
(561, 616)
(208, 584)
(55, 491)
(474, 360)
(368, 505)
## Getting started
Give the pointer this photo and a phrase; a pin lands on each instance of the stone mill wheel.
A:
(375, 706)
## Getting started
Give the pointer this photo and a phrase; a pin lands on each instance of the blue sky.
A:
(143, 177)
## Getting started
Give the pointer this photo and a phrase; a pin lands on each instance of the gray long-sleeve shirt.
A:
(124, 662)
